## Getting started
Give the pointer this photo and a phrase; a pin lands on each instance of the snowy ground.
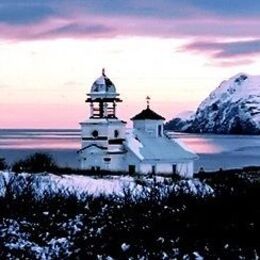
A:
(47, 183)
(14, 231)
(44, 216)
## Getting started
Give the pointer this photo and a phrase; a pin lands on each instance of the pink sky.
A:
(52, 51)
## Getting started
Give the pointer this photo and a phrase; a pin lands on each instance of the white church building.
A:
(106, 144)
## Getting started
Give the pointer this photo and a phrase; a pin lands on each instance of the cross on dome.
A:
(103, 87)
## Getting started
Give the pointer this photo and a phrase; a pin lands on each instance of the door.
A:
(131, 169)
(174, 169)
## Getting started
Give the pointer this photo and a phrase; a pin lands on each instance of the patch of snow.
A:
(125, 247)
(233, 107)
(240, 86)
(194, 186)
(162, 149)
(83, 186)
(57, 246)
(186, 115)
(197, 256)
(134, 144)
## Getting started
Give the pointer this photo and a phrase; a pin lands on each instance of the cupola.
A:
(103, 87)
(103, 98)
(149, 121)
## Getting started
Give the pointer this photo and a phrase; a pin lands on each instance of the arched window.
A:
(116, 133)
(95, 133)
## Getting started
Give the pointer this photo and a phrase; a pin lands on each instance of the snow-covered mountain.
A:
(232, 108)
(181, 122)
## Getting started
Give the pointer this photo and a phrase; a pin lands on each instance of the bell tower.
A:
(102, 134)
(103, 98)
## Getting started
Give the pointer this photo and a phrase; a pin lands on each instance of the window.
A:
(159, 130)
(95, 133)
(116, 133)
(131, 169)
(95, 168)
(174, 168)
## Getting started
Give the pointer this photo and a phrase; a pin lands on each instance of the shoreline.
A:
(67, 157)
(215, 151)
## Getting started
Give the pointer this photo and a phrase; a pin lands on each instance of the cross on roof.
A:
(103, 72)
(148, 101)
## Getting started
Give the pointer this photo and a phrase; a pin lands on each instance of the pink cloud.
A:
(226, 53)
(86, 25)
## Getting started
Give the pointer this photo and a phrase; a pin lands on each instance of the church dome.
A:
(103, 86)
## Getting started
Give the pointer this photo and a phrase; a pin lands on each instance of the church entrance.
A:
(174, 169)
(95, 168)
(131, 169)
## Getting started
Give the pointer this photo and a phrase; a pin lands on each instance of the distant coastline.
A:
(215, 151)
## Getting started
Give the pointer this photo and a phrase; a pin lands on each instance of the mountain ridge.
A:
(232, 108)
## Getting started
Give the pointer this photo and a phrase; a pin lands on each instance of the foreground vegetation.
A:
(160, 223)
(176, 225)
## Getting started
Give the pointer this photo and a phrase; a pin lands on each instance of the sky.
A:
(175, 51)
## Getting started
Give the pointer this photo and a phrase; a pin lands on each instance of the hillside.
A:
(232, 108)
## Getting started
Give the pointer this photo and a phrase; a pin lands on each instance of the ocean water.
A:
(222, 151)
(215, 151)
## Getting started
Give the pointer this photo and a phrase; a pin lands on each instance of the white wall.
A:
(145, 168)
(184, 169)
(119, 126)
(164, 167)
(94, 157)
(88, 128)
(131, 159)
(149, 126)
(117, 162)
(104, 128)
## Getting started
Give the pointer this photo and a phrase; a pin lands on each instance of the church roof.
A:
(103, 85)
(150, 148)
(147, 114)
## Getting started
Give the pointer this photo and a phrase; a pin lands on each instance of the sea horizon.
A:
(214, 151)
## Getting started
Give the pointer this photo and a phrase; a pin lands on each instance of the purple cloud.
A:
(30, 19)
(226, 53)
(232, 62)
(78, 30)
(225, 49)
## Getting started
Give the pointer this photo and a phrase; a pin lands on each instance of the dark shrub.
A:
(37, 162)
(3, 164)
(177, 226)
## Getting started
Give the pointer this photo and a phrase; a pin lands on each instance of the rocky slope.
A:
(182, 122)
(232, 108)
